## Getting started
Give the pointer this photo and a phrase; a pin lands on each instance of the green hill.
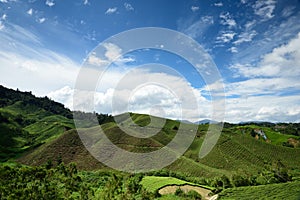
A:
(235, 153)
(35, 131)
(27, 121)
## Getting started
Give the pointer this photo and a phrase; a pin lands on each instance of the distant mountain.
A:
(185, 121)
(253, 122)
(206, 121)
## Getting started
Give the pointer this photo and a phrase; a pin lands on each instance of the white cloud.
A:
(111, 10)
(85, 2)
(243, 1)
(94, 60)
(261, 99)
(269, 92)
(249, 25)
(285, 58)
(226, 36)
(3, 1)
(113, 53)
(1, 25)
(283, 61)
(143, 92)
(195, 29)
(63, 95)
(263, 108)
(271, 38)
(41, 20)
(264, 8)
(30, 11)
(245, 37)
(288, 11)
(50, 3)
(233, 50)
(4, 16)
(195, 8)
(220, 4)
(227, 20)
(128, 7)
(36, 68)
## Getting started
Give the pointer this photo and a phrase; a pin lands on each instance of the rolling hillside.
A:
(35, 131)
(27, 121)
(234, 152)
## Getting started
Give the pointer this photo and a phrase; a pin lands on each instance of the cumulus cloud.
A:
(250, 24)
(4, 16)
(195, 8)
(142, 91)
(30, 11)
(2, 19)
(112, 53)
(1, 25)
(41, 20)
(63, 95)
(85, 2)
(264, 9)
(263, 108)
(128, 7)
(226, 36)
(227, 20)
(233, 50)
(50, 3)
(94, 60)
(268, 93)
(220, 4)
(245, 37)
(111, 10)
(283, 61)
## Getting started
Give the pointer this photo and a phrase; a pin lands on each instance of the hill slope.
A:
(235, 153)
(27, 121)
(37, 127)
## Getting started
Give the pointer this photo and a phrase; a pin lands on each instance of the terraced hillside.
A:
(27, 122)
(37, 131)
(235, 153)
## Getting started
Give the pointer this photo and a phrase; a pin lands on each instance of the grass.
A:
(235, 153)
(276, 137)
(24, 127)
(287, 191)
(154, 183)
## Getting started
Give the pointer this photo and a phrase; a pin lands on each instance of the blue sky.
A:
(254, 44)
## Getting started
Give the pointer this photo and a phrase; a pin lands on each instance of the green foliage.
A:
(238, 180)
(40, 124)
(65, 182)
(288, 191)
(27, 122)
(21, 182)
(192, 195)
(9, 97)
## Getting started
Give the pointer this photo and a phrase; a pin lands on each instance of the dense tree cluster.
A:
(65, 182)
(10, 96)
